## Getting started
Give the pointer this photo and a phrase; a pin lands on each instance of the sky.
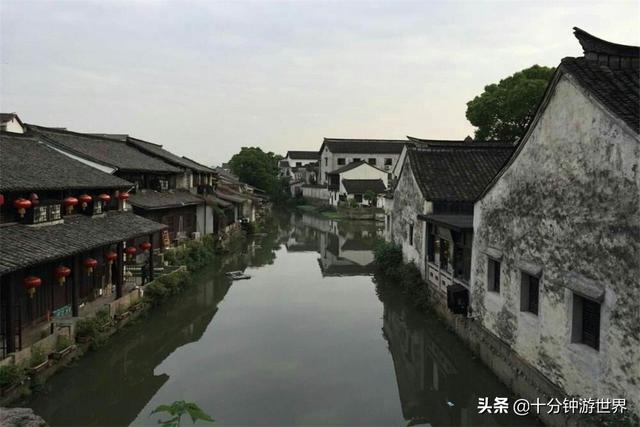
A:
(207, 78)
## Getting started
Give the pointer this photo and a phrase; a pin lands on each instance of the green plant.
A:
(155, 292)
(62, 342)
(371, 197)
(179, 408)
(38, 356)
(388, 259)
(11, 375)
(87, 327)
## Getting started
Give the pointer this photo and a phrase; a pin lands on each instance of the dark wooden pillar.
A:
(151, 273)
(119, 278)
(75, 285)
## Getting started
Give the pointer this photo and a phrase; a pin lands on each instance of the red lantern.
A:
(85, 199)
(123, 195)
(1, 199)
(90, 264)
(22, 205)
(145, 246)
(111, 257)
(31, 283)
(62, 273)
(104, 198)
(69, 203)
(131, 251)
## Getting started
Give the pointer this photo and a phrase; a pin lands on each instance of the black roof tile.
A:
(361, 186)
(151, 199)
(26, 164)
(456, 174)
(374, 146)
(156, 150)
(105, 150)
(22, 245)
(303, 155)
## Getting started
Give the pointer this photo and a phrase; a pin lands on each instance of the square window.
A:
(298, 164)
(585, 328)
(493, 275)
(358, 198)
(372, 161)
(388, 162)
(341, 161)
(55, 213)
(355, 160)
(529, 293)
(40, 214)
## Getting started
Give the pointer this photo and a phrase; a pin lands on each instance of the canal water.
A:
(308, 340)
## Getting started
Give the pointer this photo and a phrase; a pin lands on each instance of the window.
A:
(493, 276)
(97, 207)
(341, 161)
(586, 321)
(326, 161)
(388, 162)
(164, 184)
(358, 198)
(431, 248)
(355, 160)
(372, 161)
(529, 291)
(298, 164)
(411, 234)
(40, 214)
(54, 213)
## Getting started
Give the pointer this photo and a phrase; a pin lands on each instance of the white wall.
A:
(329, 161)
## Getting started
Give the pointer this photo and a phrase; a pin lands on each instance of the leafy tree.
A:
(503, 110)
(260, 169)
(179, 408)
(371, 197)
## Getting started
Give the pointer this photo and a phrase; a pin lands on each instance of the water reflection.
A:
(345, 247)
(295, 345)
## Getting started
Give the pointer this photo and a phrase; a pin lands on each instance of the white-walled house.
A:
(300, 158)
(10, 122)
(556, 253)
(336, 153)
(352, 181)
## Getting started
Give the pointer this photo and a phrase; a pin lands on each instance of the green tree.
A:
(503, 110)
(260, 169)
(371, 197)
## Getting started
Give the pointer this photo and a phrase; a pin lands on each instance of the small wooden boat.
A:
(237, 275)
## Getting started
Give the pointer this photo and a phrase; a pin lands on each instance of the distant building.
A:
(556, 253)
(352, 181)
(301, 158)
(336, 153)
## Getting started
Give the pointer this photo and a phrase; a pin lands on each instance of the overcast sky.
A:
(206, 78)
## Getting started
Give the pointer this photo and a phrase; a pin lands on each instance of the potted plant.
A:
(64, 346)
(11, 376)
(38, 361)
(86, 330)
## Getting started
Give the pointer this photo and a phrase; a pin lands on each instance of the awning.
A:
(22, 245)
(455, 222)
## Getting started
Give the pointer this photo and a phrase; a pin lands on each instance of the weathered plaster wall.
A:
(406, 204)
(569, 203)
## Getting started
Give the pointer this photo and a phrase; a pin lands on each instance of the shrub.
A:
(62, 342)
(194, 254)
(103, 320)
(11, 375)
(388, 259)
(155, 292)
(87, 328)
(38, 356)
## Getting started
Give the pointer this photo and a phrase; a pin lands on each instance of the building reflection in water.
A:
(345, 248)
(439, 380)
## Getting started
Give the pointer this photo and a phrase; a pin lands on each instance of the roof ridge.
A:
(65, 130)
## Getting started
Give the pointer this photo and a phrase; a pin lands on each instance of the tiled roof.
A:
(26, 164)
(426, 143)
(157, 151)
(361, 186)
(373, 146)
(235, 197)
(283, 164)
(108, 151)
(457, 174)
(151, 199)
(348, 167)
(303, 155)
(7, 117)
(617, 89)
(459, 222)
(213, 200)
(22, 246)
